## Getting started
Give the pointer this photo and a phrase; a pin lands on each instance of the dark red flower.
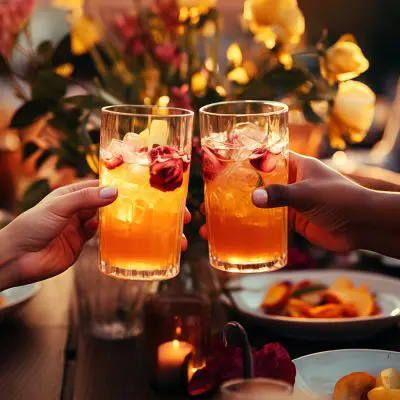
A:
(298, 259)
(263, 160)
(180, 97)
(211, 164)
(225, 363)
(137, 47)
(168, 53)
(168, 12)
(166, 168)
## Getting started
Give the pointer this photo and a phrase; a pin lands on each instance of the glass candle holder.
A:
(255, 389)
(177, 328)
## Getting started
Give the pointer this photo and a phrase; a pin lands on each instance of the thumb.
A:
(294, 195)
(87, 198)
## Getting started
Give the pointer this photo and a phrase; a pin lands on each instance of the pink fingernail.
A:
(260, 197)
(108, 192)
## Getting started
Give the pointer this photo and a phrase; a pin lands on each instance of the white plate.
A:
(17, 296)
(254, 287)
(318, 373)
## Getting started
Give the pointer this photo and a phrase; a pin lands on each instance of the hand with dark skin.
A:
(47, 239)
(332, 211)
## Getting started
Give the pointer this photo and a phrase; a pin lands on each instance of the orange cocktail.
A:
(140, 233)
(242, 237)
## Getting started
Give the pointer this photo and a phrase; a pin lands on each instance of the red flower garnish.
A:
(263, 160)
(166, 168)
(113, 162)
(210, 163)
(225, 363)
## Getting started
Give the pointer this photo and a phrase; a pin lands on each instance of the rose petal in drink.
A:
(263, 160)
(211, 164)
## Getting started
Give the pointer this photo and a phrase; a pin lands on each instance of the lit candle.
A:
(171, 356)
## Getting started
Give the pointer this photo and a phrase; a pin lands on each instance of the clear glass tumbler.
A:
(244, 146)
(144, 152)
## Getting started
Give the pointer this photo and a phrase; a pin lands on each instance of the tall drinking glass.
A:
(244, 146)
(145, 153)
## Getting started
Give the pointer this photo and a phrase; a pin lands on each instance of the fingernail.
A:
(260, 197)
(108, 192)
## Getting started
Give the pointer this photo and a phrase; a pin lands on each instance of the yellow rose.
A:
(239, 75)
(269, 12)
(344, 60)
(199, 82)
(353, 111)
(270, 20)
(85, 34)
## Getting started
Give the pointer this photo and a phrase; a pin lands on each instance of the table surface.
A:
(43, 356)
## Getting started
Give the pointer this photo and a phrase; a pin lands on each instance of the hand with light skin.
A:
(47, 239)
(332, 211)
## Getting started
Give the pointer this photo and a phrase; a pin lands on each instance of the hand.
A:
(47, 239)
(325, 207)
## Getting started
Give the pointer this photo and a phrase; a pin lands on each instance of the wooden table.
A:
(42, 356)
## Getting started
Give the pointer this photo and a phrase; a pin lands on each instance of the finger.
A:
(187, 216)
(72, 188)
(295, 195)
(89, 197)
(184, 243)
(90, 227)
(203, 232)
(87, 214)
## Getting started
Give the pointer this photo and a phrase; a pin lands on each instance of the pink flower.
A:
(225, 363)
(168, 53)
(13, 15)
(168, 12)
(180, 97)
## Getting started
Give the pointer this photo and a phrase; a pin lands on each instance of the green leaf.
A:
(35, 193)
(85, 101)
(307, 61)
(48, 85)
(29, 112)
(5, 68)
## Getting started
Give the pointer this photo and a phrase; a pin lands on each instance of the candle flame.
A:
(178, 330)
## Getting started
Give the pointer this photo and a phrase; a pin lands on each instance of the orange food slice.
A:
(354, 386)
(276, 298)
(298, 309)
(342, 283)
(361, 300)
(327, 311)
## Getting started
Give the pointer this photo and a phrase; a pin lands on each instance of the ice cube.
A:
(132, 141)
(277, 147)
(124, 209)
(158, 133)
(140, 208)
(250, 134)
(116, 148)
